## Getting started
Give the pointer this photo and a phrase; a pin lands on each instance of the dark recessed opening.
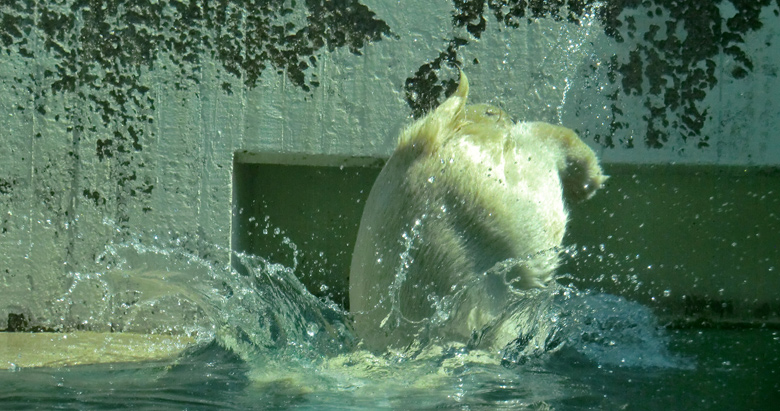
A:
(304, 208)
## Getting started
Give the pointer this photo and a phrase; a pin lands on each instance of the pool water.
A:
(722, 369)
(265, 342)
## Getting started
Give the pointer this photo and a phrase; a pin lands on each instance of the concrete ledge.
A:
(304, 159)
(24, 350)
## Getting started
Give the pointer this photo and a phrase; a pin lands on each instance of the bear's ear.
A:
(430, 132)
(454, 107)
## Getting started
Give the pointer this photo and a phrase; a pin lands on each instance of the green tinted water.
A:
(734, 369)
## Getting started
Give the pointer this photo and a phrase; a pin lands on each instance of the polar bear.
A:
(468, 209)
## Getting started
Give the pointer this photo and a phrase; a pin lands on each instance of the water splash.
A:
(572, 44)
(269, 309)
(610, 330)
(262, 312)
(252, 306)
(410, 241)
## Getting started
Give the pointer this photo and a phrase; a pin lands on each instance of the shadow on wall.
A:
(693, 241)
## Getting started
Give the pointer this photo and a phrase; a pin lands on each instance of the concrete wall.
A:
(121, 120)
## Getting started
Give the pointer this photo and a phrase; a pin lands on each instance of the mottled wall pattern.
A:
(675, 49)
(97, 56)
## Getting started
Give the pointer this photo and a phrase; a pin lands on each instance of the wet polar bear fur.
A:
(468, 209)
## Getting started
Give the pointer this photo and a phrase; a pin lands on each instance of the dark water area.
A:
(720, 370)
